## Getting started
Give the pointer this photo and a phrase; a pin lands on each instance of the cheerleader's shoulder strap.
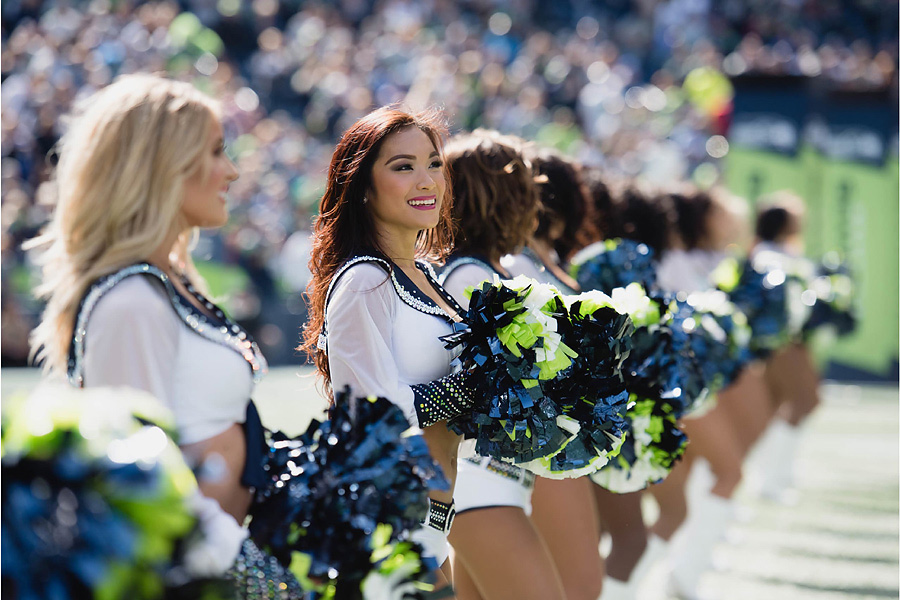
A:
(456, 262)
(220, 329)
(100, 288)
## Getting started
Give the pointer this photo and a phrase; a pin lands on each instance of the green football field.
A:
(839, 541)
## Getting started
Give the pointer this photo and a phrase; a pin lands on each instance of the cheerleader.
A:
(564, 511)
(628, 211)
(498, 552)
(376, 308)
(140, 170)
(791, 375)
(707, 224)
(711, 228)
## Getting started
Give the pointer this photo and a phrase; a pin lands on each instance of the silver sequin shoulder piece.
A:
(405, 295)
(322, 342)
(229, 334)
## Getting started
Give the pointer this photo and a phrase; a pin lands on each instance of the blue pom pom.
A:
(107, 510)
(833, 291)
(560, 424)
(612, 264)
(342, 482)
(662, 364)
(653, 445)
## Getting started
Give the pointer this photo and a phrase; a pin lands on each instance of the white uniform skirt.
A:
(483, 482)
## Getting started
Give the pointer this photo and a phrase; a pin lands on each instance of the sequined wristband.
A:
(440, 515)
(442, 399)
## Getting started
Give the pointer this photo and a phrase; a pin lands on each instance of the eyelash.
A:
(435, 165)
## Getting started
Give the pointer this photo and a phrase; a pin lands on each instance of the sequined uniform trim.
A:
(414, 302)
(463, 260)
(405, 295)
(442, 399)
(523, 476)
(259, 576)
(228, 334)
(440, 515)
(433, 278)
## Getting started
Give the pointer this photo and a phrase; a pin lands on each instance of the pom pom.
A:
(768, 289)
(663, 373)
(548, 407)
(612, 264)
(95, 497)
(511, 346)
(652, 446)
(399, 571)
(831, 291)
(661, 364)
(344, 493)
(592, 392)
(721, 340)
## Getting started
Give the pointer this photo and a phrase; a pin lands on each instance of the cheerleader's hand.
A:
(215, 549)
(397, 585)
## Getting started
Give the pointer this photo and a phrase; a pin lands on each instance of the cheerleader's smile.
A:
(423, 202)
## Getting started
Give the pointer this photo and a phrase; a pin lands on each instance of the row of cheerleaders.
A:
(98, 501)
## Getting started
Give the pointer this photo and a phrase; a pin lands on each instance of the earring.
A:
(365, 200)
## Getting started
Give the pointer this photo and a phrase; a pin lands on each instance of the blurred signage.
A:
(778, 114)
(769, 112)
(853, 126)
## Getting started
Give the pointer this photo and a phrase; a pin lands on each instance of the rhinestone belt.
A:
(523, 476)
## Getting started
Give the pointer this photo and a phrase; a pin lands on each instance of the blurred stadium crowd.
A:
(638, 87)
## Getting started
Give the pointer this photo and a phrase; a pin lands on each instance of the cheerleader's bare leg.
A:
(779, 378)
(794, 382)
(503, 555)
(463, 585)
(671, 496)
(622, 517)
(748, 404)
(565, 515)
(712, 437)
(805, 390)
(708, 514)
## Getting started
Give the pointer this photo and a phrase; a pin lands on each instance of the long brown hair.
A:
(495, 198)
(344, 224)
(564, 198)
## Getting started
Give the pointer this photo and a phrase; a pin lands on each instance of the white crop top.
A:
(136, 331)
(529, 264)
(687, 270)
(383, 335)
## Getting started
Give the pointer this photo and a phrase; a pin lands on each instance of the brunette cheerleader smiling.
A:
(377, 311)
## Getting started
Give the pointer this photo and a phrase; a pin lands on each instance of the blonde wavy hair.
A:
(120, 186)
